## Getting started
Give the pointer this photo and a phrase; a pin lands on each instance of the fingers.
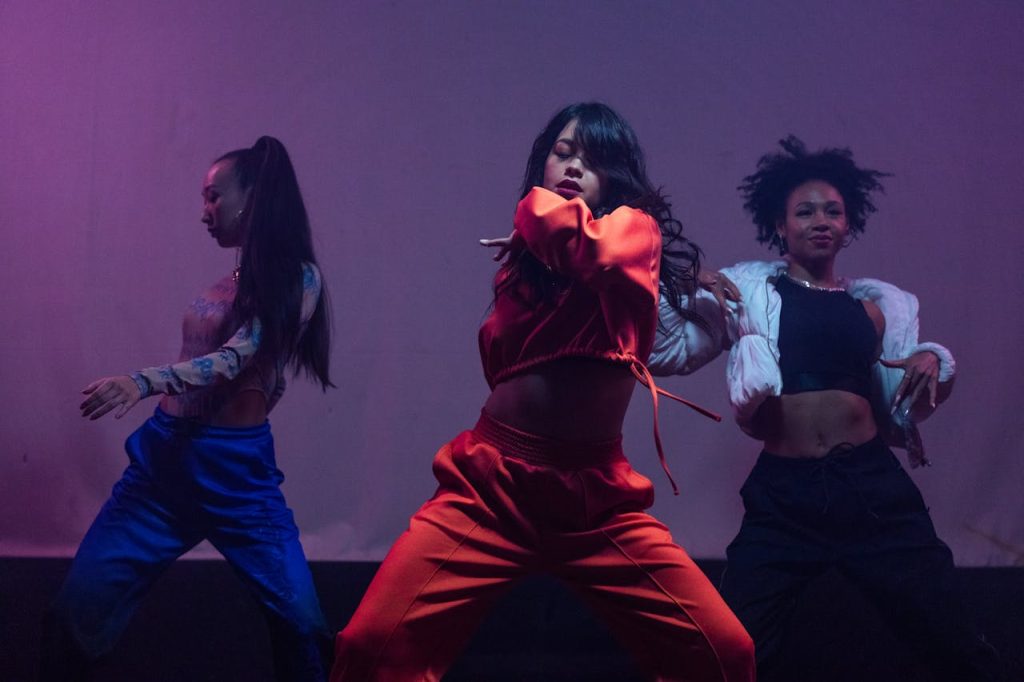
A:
(129, 404)
(504, 245)
(921, 372)
(92, 387)
(919, 385)
(900, 392)
(99, 392)
(722, 299)
(732, 292)
(109, 394)
(103, 409)
(916, 380)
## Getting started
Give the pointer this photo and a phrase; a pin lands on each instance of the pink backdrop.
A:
(409, 124)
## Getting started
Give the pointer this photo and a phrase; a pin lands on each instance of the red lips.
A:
(569, 184)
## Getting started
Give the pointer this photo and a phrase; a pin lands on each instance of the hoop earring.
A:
(846, 242)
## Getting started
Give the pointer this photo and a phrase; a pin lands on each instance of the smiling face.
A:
(567, 172)
(224, 204)
(814, 227)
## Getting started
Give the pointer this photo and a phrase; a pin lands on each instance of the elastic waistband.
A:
(843, 451)
(512, 442)
(197, 429)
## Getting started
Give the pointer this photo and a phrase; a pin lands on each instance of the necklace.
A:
(807, 285)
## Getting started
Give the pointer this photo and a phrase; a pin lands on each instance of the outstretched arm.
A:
(222, 365)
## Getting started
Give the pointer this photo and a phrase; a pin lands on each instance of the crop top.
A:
(209, 374)
(826, 340)
(609, 309)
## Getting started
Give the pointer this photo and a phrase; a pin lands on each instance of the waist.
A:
(498, 372)
(575, 398)
(226, 406)
(195, 428)
(842, 452)
(810, 424)
(858, 383)
(513, 442)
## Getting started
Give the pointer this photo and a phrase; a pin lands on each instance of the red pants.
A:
(509, 504)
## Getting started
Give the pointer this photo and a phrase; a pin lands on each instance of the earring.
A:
(846, 242)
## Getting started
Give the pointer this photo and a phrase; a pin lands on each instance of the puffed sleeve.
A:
(621, 249)
(228, 361)
(681, 345)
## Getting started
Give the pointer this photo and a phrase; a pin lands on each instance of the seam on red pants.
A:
(718, 657)
(442, 564)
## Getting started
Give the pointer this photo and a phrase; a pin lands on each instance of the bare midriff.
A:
(245, 408)
(570, 399)
(811, 424)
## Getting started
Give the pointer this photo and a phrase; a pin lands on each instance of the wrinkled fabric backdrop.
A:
(409, 124)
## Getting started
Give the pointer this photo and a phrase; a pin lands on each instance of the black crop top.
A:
(826, 340)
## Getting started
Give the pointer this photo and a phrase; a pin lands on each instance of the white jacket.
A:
(751, 333)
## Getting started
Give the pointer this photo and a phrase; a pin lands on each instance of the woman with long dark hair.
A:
(203, 467)
(541, 482)
(827, 373)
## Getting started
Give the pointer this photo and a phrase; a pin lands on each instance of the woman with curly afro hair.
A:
(827, 373)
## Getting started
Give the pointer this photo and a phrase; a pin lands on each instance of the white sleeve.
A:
(682, 346)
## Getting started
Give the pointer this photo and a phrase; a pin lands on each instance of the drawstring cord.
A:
(832, 461)
(643, 375)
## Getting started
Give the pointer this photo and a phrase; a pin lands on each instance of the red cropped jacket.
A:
(609, 311)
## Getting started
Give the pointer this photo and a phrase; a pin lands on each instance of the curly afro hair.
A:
(765, 192)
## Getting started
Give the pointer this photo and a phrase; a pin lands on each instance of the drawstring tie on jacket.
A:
(644, 376)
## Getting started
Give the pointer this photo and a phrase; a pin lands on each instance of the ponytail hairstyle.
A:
(766, 192)
(611, 149)
(277, 243)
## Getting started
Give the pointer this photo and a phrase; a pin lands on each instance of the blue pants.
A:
(187, 482)
(857, 510)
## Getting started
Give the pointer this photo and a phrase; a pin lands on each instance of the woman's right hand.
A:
(109, 393)
(504, 244)
(721, 287)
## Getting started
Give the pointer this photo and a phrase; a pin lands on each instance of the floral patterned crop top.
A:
(208, 373)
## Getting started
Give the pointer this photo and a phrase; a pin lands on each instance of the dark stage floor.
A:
(198, 624)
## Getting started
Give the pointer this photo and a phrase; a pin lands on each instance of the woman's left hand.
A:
(920, 374)
(107, 394)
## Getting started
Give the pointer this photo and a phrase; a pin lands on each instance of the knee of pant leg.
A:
(735, 650)
(361, 644)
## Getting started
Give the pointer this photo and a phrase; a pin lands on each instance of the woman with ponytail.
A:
(203, 467)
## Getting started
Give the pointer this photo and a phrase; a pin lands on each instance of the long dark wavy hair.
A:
(611, 149)
(766, 192)
(278, 241)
